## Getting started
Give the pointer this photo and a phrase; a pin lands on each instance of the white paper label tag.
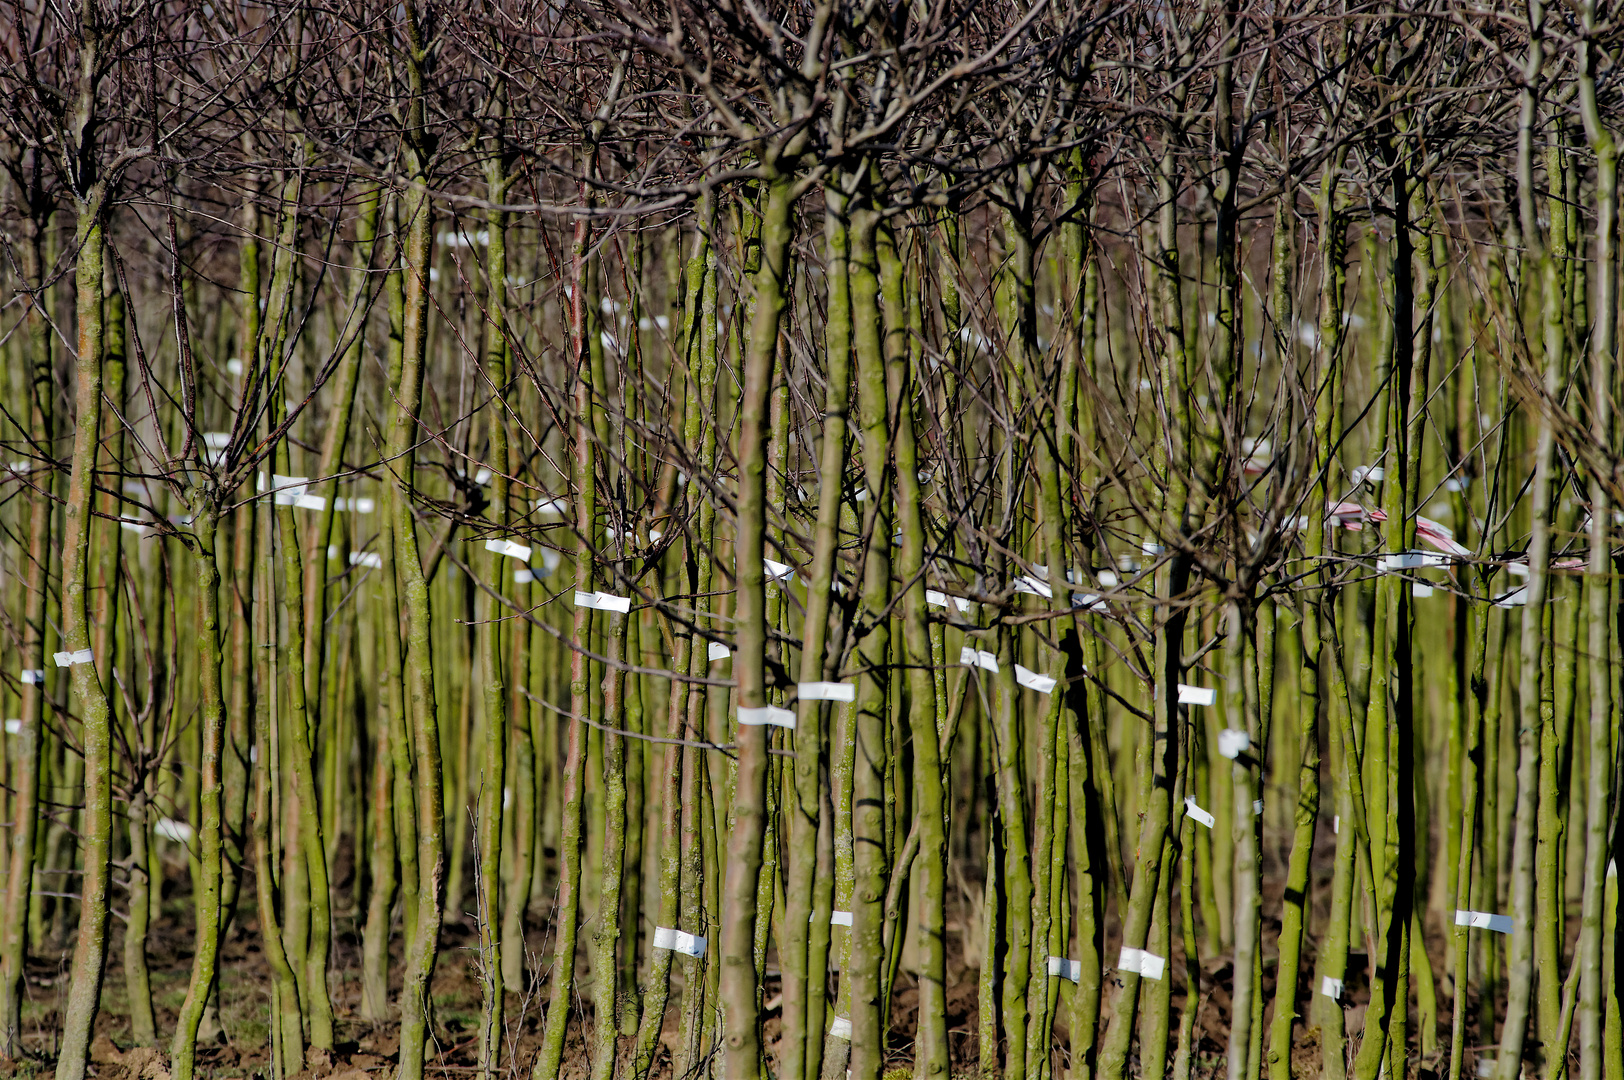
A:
(170, 829)
(777, 571)
(34, 676)
(552, 507)
(826, 691)
(1411, 560)
(1033, 585)
(1091, 601)
(1145, 963)
(840, 1028)
(508, 547)
(767, 714)
(1066, 969)
(839, 918)
(1233, 743)
(308, 502)
(68, 659)
(1257, 807)
(603, 601)
(678, 941)
(286, 490)
(14, 727)
(978, 658)
(1043, 684)
(939, 599)
(1420, 590)
(1336, 825)
(1194, 811)
(715, 650)
(1331, 988)
(373, 559)
(523, 576)
(357, 506)
(1485, 920)
(1196, 695)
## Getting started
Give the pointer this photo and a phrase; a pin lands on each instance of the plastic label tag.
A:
(678, 941)
(1043, 684)
(68, 659)
(1485, 920)
(1192, 810)
(1233, 743)
(1331, 988)
(715, 650)
(1196, 695)
(603, 601)
(826, 691)
(767, 714)
(508, 547)
(1066, 969)
(978, 658)
(1145, 963)
(839, 918)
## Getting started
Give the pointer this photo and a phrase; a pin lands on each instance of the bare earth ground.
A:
(366, 1051)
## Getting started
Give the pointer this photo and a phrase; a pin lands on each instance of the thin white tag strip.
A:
(840, 1028)
(678, 941)
(1196, 695)
(1066, 969)
(777, 571)
(1091, 601)
(767, 714)
(1331, 988)
(34, 676)
(1232, 743)
(1412, 560)
(523, 576)
(1033, 585)
(1192, 810)
(1145, 963)
(940, 599)
(356, 506)
(68, 659)
(839, 918)
(1420, 590)
(603, 601)
(1043, 684)
(373, 559)
(715, 650)
(170, 829)
(286, 490)
(14, 727)
(1257, 807)
(309, 502)
(1336, 824)
(978, 658)
(508, 547)
(1485, 920)
(552, 507)
(826, 691)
